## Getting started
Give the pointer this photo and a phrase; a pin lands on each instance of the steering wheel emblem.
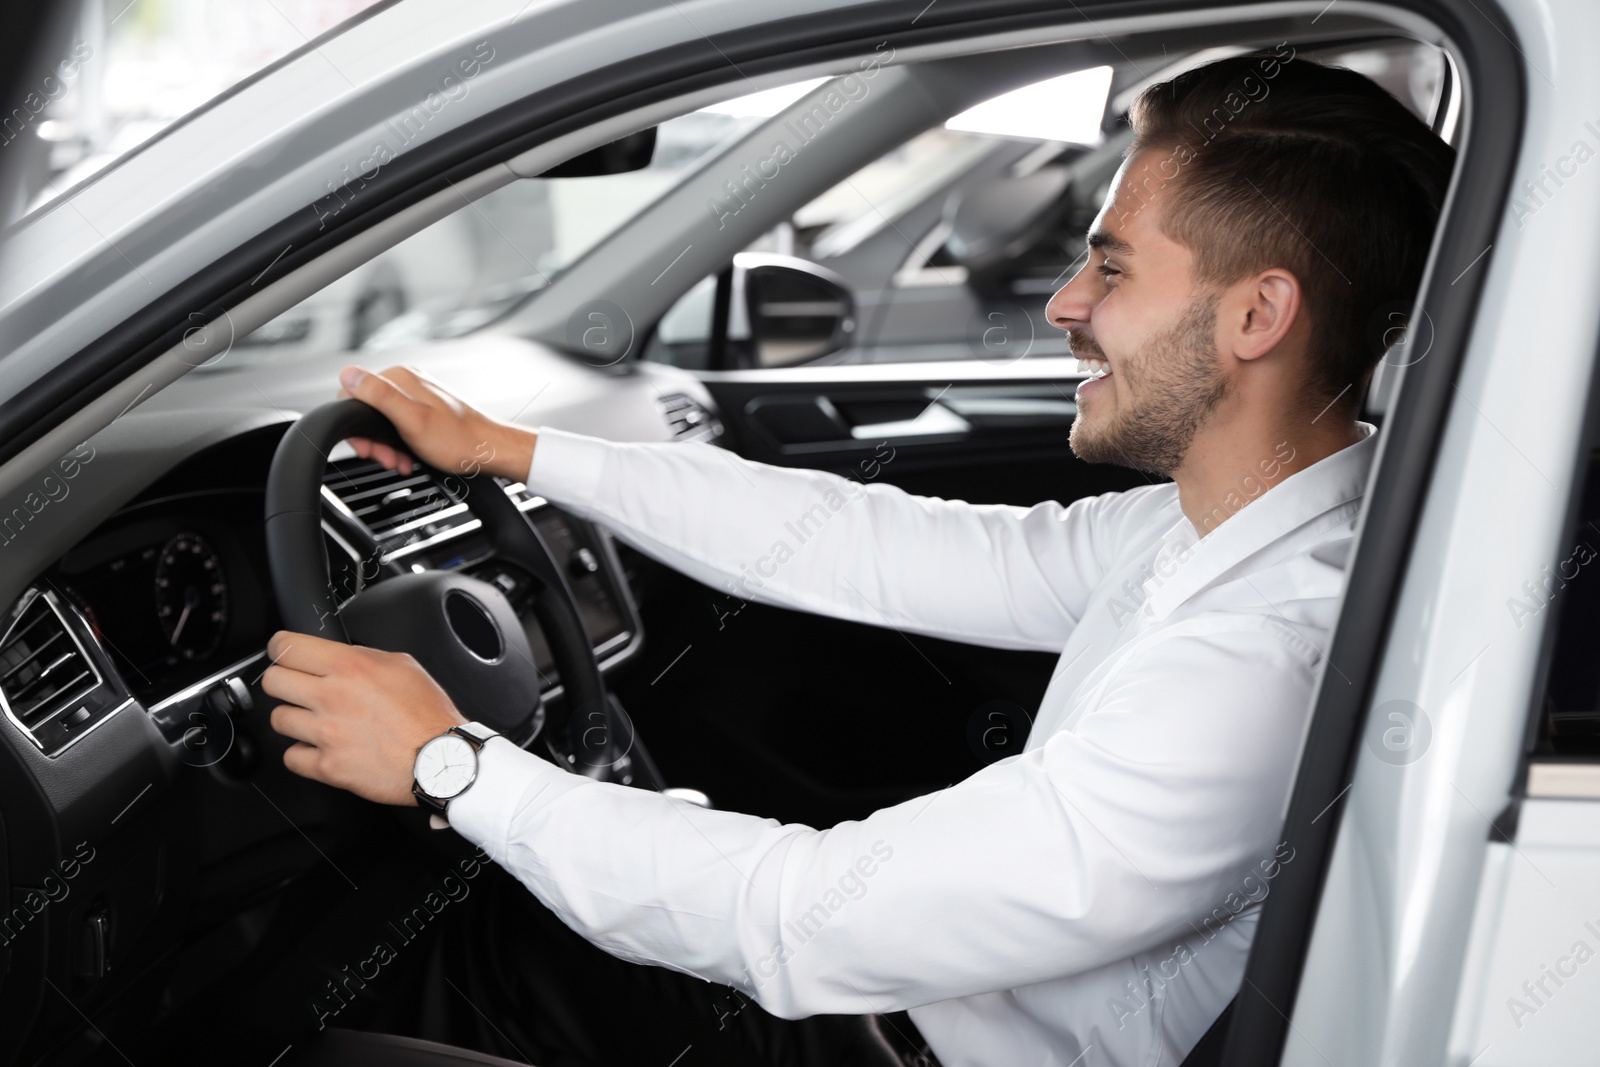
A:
(473, 626)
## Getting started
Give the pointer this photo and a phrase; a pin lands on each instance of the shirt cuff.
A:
(510, 780)
(566, 466)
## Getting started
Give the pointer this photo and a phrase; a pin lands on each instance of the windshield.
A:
(134, 67)
(476, 264)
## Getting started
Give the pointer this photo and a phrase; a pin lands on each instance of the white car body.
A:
(1429, 923)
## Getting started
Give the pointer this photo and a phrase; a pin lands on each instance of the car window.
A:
(134, 67)
(476, 264)
(950, 244)
(900, 235)
(1567, 715)
(1412, 71)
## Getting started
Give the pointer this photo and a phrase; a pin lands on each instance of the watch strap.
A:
(475, 733)
(427, 803)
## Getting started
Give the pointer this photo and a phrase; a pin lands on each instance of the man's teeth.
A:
(1094, 366)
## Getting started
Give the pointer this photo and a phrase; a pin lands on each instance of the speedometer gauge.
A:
(191, 597)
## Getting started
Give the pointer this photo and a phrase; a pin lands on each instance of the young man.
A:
(1090, 900)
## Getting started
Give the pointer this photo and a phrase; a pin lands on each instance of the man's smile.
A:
(1091, 358)
(1092, 384)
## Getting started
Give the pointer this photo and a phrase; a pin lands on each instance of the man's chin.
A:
(1087, 442)
(1092, 441)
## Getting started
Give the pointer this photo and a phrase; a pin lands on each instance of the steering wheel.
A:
(462, 630)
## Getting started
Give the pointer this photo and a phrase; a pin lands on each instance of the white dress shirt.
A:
(1089, 900)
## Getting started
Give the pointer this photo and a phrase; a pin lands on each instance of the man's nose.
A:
(1069, 307)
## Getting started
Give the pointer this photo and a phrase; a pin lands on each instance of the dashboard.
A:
(138, 762)
(135, 605)
(169, 600)
(177, 589)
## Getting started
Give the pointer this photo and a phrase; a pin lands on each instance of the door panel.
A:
(966, 430)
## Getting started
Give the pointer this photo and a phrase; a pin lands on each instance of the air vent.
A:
(386, 501)
(688, 419)
(401, 509)
(45, 676)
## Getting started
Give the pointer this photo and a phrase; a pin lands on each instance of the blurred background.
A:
(140, 65)
(947, 241)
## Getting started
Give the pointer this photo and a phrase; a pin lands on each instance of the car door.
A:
(240, 214)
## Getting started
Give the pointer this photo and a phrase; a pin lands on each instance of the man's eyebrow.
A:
(1110, 242)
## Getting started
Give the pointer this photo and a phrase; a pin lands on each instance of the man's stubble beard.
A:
(1179, 386)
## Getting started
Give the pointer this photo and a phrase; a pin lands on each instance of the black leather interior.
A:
(1207, 1052)
(355, 1048)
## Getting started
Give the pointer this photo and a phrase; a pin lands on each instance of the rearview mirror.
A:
(632, 152)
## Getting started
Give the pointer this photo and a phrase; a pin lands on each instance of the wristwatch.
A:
(446, 766)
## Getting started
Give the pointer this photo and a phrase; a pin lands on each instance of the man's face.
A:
(1135, 307)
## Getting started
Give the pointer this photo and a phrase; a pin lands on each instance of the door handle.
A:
(935, 420)
(1014, 412)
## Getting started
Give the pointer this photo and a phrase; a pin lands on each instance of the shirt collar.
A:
(1187, 563)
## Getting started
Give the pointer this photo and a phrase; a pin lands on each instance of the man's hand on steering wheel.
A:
(358, 714)
(440, 428)
(360, 702)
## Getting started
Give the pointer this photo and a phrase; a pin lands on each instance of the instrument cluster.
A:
(171, 592)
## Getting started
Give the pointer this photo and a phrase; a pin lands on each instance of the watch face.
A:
(445, 766)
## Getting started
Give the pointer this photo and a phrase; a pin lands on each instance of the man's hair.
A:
(1283, 162)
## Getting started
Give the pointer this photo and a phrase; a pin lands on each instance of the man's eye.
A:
(1107, 272)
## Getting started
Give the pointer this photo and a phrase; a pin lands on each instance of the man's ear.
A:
(1259, 313)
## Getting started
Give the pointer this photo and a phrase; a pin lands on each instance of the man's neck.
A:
(1230, 465)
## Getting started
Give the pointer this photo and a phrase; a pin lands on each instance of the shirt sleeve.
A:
(1132, 828)
(988, 574)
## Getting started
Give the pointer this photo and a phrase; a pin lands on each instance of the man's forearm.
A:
(511, 452)
(1007, 577)
(823, 543)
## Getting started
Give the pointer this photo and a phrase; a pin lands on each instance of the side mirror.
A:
(780, 311)
(762, 310)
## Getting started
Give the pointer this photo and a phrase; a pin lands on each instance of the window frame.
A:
(1482, 52)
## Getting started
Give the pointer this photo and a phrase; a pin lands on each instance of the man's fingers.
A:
(400, 393)
(386, 392)
(387, 455)
(304, 760)
(417, 376)
(392, 457)
(306, 652)
(295, 687)
(297, 723)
